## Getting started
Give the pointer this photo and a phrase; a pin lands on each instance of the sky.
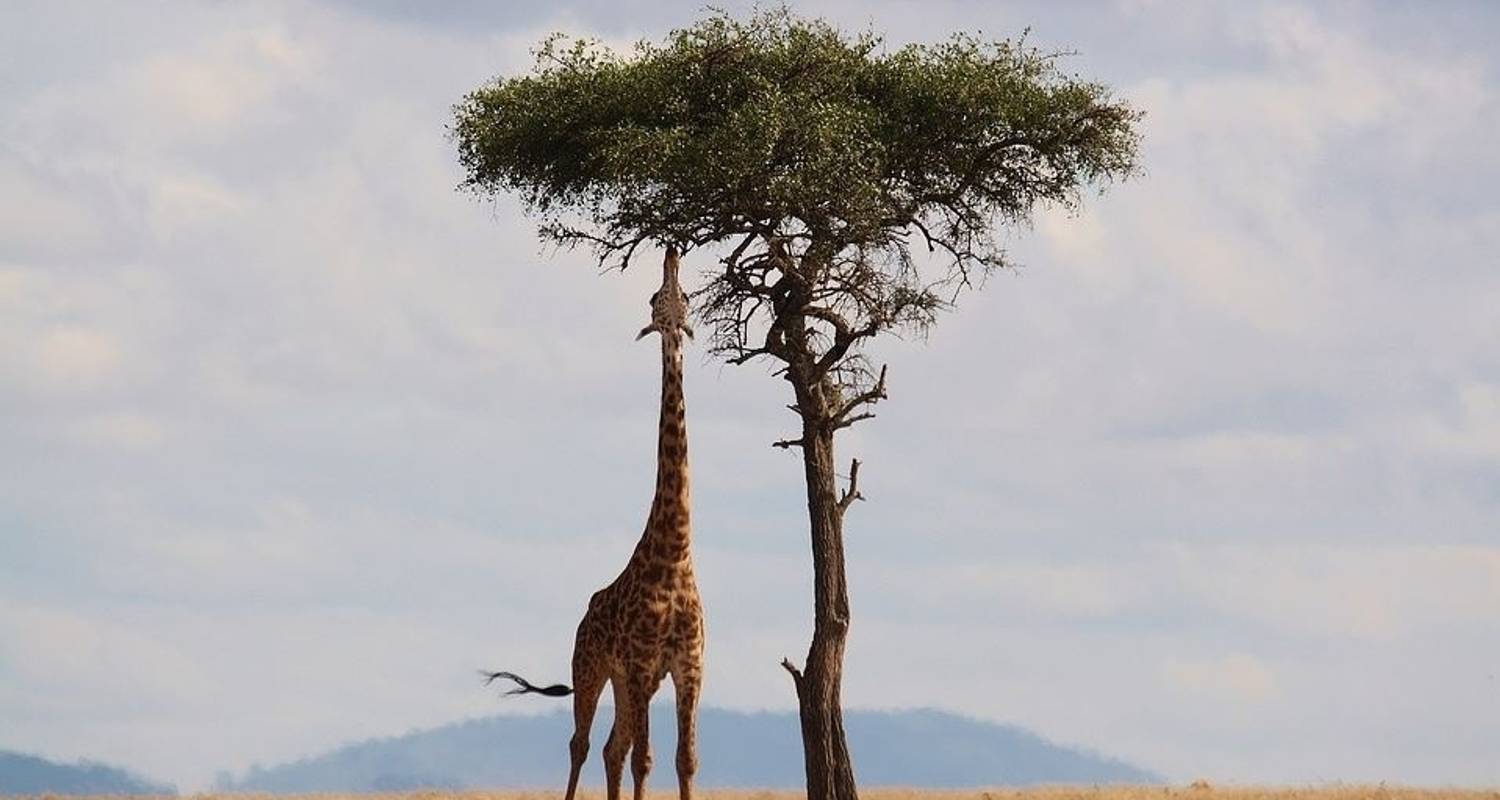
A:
(294, 436)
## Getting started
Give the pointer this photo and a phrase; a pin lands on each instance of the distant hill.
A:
(23, 774)
(736, 749)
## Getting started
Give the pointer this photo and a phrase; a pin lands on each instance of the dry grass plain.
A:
(1195, 792)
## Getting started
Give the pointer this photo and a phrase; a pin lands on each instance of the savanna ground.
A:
(1196, 792)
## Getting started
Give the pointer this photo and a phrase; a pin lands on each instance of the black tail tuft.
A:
(524, 686)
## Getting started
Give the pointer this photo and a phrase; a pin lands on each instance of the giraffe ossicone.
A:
(648, 623)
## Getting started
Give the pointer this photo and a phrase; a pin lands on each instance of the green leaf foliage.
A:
(804, 148)
(731, 126)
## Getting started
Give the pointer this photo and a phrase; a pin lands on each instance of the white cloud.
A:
(1232, 680)
(218, 84)
(278, 401)
(1473, 428)
(100, 662)
(1380, 594)
(120, 429)
(76, 355)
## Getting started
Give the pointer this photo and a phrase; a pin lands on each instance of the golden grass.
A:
(1196, 791)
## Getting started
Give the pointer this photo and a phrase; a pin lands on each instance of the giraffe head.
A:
(669, 305)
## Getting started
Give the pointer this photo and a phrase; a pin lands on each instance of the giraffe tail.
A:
(524, 686)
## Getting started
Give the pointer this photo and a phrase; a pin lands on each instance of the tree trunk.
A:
(830, 773)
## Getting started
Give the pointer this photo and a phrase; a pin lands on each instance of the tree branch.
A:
(746, 355)
(874, 394)
(604, 248)
(847, 421)
(828, 315)
(844, 337)
(852, 492)
(786, 664)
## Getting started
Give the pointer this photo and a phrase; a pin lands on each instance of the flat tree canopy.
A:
(815, 163)
(737, 132)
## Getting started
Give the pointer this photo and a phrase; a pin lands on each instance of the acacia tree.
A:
(847, 190)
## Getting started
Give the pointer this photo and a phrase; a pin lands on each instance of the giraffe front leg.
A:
(686, 685)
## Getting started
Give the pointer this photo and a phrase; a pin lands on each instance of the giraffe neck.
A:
(668, 535)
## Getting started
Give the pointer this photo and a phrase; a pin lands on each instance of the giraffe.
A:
(648, 623)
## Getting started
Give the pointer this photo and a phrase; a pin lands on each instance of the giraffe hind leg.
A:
(587, 686)
(686, 684)
(619, 740)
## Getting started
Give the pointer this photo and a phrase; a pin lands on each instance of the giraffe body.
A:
(648, 623)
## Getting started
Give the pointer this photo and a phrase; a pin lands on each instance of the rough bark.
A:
(830, 771)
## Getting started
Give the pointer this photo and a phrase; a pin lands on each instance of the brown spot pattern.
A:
(648, 623)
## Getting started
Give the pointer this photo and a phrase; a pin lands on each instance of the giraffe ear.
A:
(644, 331)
